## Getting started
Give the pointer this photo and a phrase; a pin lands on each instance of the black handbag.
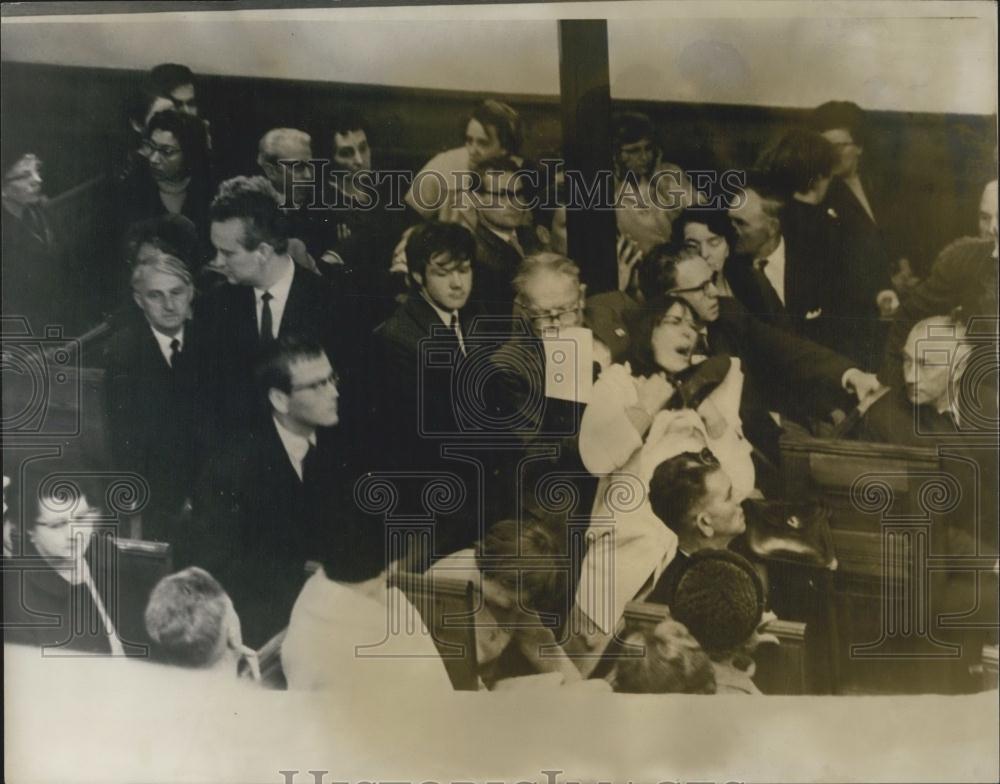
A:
(792, 531)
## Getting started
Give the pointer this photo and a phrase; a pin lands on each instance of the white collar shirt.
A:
(164, 341)
(446, 318)
(296, 446)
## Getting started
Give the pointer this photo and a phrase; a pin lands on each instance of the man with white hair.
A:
(152, 388)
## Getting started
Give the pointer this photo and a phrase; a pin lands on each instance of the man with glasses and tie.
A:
(268, 296)
(152, 388)
(260, 501)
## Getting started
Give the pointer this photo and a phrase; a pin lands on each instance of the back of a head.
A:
(720, 598)
(672, 663)
(797, 160)
(187, 618)
(353, 543)
(175, 235)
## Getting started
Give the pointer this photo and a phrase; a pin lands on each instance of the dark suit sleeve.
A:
(123, 406)
(793, 359)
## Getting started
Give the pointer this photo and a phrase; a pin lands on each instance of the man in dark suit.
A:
(500, 220)
(269, 297)
(151, 389)
(784, 372)
(772, 274)
(260, 504)
(413, 406)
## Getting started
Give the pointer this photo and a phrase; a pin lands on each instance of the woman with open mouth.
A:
(663, 401)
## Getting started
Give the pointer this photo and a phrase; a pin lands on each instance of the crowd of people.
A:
(275, 357)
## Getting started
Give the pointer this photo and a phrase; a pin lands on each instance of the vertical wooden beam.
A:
(586, 121)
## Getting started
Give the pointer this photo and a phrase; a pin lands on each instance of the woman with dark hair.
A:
(176, 178)
(658, 404)
(441, 187)
(710, 233)
(54, 574)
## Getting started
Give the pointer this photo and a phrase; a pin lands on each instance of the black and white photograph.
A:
(538, 393)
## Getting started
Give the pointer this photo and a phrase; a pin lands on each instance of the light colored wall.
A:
(904, 62)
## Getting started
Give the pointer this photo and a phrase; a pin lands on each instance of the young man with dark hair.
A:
(434, 318)
(259, 505)
(268, 296)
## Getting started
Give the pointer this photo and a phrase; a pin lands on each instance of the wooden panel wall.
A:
(935, 164)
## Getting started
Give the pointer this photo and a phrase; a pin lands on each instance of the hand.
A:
(715, 422)
(904, 278)
(628, 256)
(863, 385)
(888, 303)
(653, 392)
(343, 231)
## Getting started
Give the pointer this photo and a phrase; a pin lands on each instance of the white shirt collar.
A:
(295, 445)
(775, 269)
(445, 317)
(164, 341)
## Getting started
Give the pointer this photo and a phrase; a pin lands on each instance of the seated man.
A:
(350, 633)
(693, 497)
(258, 503)
(720, 598)
(151, 391)
(192, 623)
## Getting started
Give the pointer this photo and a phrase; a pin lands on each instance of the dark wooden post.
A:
(586, 121)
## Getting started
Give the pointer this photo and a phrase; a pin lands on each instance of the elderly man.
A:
(541, 390)
(152, 389)
(268, 296)
(260, 503)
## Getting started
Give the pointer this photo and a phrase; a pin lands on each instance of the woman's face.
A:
(166, 159)
(482, 143)
(674, 339)
(57, 526)
(712, 247)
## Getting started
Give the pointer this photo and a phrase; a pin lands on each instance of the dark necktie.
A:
(309, 464)
(175, 350)
(771, 300)
(454, 328)
(266, 323)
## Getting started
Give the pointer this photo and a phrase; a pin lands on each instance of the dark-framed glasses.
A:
(557, 316)
(314, 386)
(703, 287)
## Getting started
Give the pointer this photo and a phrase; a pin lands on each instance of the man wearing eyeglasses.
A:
(259, 502)
(501, 222)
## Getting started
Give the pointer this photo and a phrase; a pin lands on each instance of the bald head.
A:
(933, 361)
